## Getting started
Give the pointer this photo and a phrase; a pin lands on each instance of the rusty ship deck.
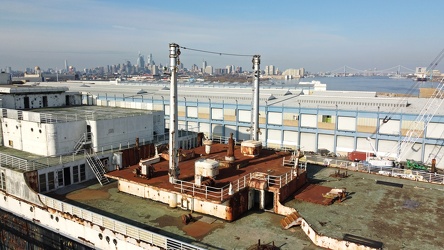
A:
(400, 218)
(263, 172)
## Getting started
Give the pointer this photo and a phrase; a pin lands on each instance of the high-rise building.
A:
(140, 62)
(209, 70)
(204, 66)
(230, 69)
(150, 59)
(154, 70)
(66, 66)
(271, 70)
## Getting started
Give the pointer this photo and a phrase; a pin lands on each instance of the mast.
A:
(173, 172)
(255, 115)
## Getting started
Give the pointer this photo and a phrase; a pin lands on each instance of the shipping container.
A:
(358, 156)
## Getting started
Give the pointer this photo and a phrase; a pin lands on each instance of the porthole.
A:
(31, 209)
(115, 242)
(57, 219)
(107, 239)
(40, 131)
(100, 236)
(52, 216)
(32, 130)
(16, 126)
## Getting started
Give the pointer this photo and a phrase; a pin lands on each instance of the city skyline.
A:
(315, 35)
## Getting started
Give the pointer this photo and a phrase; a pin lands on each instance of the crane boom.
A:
(422, 120)
(434, 63)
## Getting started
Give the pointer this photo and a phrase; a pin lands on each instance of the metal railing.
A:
(19, 163)
(411, 174)
(125, 229)
(236, 185)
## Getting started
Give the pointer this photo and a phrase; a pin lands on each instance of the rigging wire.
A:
(216, 53)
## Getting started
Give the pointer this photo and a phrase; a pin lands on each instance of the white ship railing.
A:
(410, 174)
(125, 229)
(19, 163)
(222, 193)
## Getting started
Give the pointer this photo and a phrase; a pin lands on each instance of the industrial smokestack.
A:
(255, 115)
(173, 149)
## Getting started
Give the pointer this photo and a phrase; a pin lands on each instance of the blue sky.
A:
(317, 35)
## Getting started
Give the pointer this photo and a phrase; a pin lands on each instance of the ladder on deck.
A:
(85, 139)
(97, 167)
(293, 219)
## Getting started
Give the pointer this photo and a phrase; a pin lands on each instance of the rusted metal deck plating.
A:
(268, 162)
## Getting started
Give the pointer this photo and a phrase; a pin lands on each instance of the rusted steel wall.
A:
(18, 233)
(132, 156)
(32, 179)
(293, 186)
(238, 204)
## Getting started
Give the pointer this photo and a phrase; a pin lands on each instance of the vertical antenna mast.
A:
(173, 149)
(255, 110)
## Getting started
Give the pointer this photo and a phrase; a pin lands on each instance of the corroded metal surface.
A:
(268, 163)
(314, 193)
(32, 178)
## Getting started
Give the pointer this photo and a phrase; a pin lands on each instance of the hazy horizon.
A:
(315, 35)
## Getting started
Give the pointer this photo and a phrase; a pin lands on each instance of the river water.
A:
(377, 84)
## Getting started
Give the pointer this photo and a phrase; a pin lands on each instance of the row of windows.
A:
(62, 177)
(218, 115)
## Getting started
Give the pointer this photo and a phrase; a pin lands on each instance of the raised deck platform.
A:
(260, 181)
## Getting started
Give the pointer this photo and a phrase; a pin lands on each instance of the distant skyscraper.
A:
(150, 59)
(209, 70)
(204, 66)
(140, 62)
(66, 66)
(271, 70)
(154, 70)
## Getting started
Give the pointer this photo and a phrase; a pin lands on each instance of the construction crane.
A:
(418, 127)
(433, 64)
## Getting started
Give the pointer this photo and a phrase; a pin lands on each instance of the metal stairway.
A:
(290, 220)
(97, 167)
(85, 139)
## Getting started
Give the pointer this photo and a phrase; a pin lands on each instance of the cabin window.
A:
(326, 118)
(45, 101)
(3, 181)
(26, 102)
(60, 177)
(51, 181)
(11, 143)
(75, 174)
(42, 182)
(82, 172)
